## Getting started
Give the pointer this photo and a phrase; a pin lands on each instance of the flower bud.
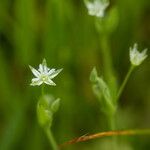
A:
(46, 107)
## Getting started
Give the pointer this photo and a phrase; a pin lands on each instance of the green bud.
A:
(45, 116)
(46, 107)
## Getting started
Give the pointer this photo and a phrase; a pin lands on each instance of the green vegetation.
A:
(62, 32)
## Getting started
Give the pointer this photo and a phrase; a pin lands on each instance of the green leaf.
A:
(46, 101)
(55, 105)
(104, 89)
(102, 92)
(46, 107)
(97, 91)
(93, 75)
(45, 116)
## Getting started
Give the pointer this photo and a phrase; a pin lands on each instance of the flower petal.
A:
(41, 69)
(44, 62)
(50, 82)
(96, 8)
(46, 69)
(36, 81)
(34, 71)
(137, 57)
(51, 71)
(144, 53)
(54, 74)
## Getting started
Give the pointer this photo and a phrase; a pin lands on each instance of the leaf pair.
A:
(46, 107)
(102, 92)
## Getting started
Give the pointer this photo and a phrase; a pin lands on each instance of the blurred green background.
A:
(62, 32)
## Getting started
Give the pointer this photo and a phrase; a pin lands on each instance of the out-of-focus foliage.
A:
(62, 32)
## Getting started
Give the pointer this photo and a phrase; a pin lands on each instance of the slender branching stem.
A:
(124, 82)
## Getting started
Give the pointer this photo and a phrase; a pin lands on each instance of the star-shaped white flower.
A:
(97, 7)
(136, 58)
(44, 74)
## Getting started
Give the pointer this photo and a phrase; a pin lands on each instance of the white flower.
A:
(97, 7)
(136, 57)
(44, 74)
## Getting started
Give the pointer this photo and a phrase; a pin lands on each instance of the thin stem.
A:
(49, 132)
(112, 127)
(112, 82)
(51, 139)
(42, 90)
(111, 122)
(124, 82)
(108, 65)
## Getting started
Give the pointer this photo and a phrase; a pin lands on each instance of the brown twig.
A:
(105, 134)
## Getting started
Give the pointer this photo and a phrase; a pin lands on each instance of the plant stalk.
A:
(124, 82)
(112, 82)
(51, 139)
(42, 90)
(109, 72)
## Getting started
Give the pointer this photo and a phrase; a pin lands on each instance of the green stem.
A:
(51, 139)
(112, 82)
(108, 65)
(124, 82)
(49, 132)
(112, 123)
(42, 90)
(112, 127)
(106, 57)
